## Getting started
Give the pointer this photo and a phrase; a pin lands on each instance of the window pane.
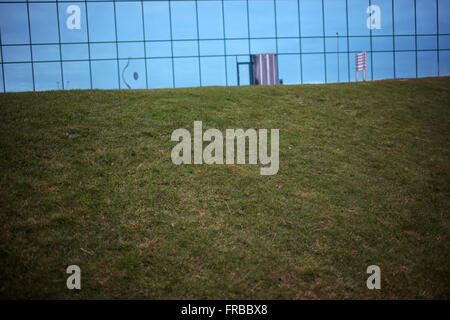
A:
(405, 64)
(131, 50)
(104, 75)
(17, 54)
(444, 42)
(213, 71)
(332, 44)
(236, 19)
(74, 33)
(288, 46)
(262, 18)
(103, 51)
(359, 44)
(382, 43)
(335, 17)
(129, 21)
(14, 23)
(311, 18)
(74, 51)
(313, 68)
(383, 65)
(405, 43)
(426, 16)
(444, 21)
(158, 49)
(18, 77)
(2, 88)
(184, 24)
(159, 73)
(237, 47)
(210, 22)
(211, 47)
(385, 17)
(157, 23)
(186, 72)
(185, 48)
(132, 74)
(289, 68)
(312, 45)
(426, 42)
(101, 21)
(263, 46)
(357, 17)
(404, 16)
(343, 67)
(76, 75)
(47, 76)
(231, 71)
(427, 64)
(444, 63)
(332, 67)
(287, 18)
(43, 52)
(44, 23)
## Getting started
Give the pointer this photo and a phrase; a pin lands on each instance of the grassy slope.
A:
(364, 179)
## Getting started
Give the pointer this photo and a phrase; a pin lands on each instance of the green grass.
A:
(87, 179)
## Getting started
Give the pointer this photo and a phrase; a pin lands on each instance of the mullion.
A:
(31, 45)
(1, 57)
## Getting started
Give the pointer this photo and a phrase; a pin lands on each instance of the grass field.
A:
(87, 179)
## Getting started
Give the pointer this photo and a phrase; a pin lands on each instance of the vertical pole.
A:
(171, 45)
(261, 75)
(198, 44)
(300, 42)
(337, 44)
(237, 72)
(117, 45)
(371, 50)
(250, 70)
(415, 35)
(437, 36)
(348, 42)
(31, 44)
(324, 45)
(88, 43)
(224, 43)
(393, 40)
(145, 47)
(248, 33)
(277, 70)
(276, 44)
(276, 26)
(3, 65)
(59, 44)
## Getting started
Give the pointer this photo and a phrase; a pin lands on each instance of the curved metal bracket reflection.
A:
(123, 71)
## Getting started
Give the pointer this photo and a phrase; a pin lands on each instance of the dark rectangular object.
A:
(265, 69)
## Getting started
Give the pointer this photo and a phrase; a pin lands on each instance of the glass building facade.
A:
(51, 45)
